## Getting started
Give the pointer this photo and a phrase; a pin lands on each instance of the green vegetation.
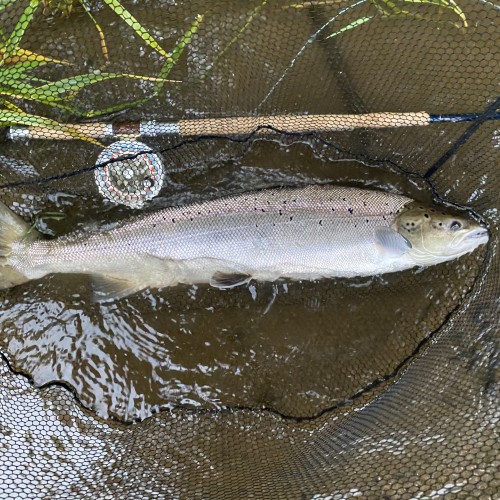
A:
(391, 8)
(18, 85)
(63, 7)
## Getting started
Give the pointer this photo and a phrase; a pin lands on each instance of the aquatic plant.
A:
(17, 81)
(385, 8)
(390, 8)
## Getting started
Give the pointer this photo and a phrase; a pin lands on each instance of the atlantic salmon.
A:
(305, 233)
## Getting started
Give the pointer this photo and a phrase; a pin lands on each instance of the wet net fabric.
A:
(404, 401)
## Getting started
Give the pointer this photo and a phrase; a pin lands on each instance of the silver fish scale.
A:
(302, 232)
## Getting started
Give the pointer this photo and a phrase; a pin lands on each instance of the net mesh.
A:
(376, 388)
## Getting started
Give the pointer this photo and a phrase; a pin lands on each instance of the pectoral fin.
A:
(229, 280)
(390, 242)
(108, 288)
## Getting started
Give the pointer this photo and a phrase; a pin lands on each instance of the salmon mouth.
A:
(478, 234)
(471, 240)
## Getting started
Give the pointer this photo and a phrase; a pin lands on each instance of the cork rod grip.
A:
(300, 123)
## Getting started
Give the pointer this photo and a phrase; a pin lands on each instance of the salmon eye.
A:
(455, 225)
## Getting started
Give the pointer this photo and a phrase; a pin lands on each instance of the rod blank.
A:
(244, 125)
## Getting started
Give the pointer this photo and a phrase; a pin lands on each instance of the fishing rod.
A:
(245, 125)
(129, 173)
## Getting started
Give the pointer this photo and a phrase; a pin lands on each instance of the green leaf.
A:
(350, 26)
(390, 8)
(176, 53)
(6, 3)
(447, 4)
(248, 21)
(113, 109)
(100, 31)
(28, 120)
(22, 24)
(172, 59)
(16, 84)
(17, 88)
(10, 106)
(55, 91)
(22, 55)
(13, 71)
(128, 18)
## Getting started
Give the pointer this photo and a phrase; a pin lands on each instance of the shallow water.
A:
(297, 348)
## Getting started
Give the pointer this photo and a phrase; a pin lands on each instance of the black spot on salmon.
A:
(173, 220)
(291, 217)
(320, 222)
(350, 210)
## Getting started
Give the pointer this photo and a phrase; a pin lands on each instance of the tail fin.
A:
(13, 229)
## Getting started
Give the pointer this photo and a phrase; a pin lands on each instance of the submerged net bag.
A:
(386, 387)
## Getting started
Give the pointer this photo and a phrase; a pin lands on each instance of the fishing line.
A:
(257, 132)
(254, 126)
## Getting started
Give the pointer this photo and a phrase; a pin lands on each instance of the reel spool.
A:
(129, 182)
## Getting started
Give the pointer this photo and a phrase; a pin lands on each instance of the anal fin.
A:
(228, 280)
